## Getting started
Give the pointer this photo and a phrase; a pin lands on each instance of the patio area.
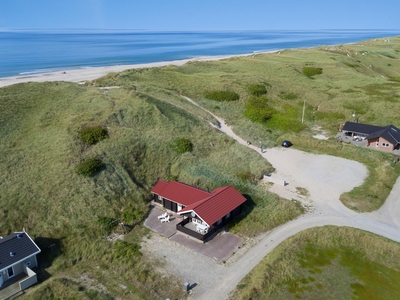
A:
(219, 248)
(166, 229)
(11, 287)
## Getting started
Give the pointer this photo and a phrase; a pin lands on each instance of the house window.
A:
(219, 221)
(385, 145)
(159, 198)
(228, 215)
(377, 143)
(28, 263)
(197, 221)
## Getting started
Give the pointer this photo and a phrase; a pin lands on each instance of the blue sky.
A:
(200, 14)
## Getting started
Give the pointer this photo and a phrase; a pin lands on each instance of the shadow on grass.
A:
(51, 249)
(247, 208)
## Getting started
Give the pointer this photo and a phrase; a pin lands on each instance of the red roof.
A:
(210, 207)
(179, 192)
(213, 208)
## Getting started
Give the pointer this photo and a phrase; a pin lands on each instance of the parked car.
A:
(286, 144)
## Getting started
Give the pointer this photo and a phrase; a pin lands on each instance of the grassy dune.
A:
(361, 79)
(336, 262)
(41, 191)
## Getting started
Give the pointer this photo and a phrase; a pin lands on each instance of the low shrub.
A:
(181, 145)
(93, 134)
(89, 167)
(107, 224)
(256, 90)
(247, 177)
(311, 71)
(258, 110)
(221, 96)
(286, 96)
(131, 215)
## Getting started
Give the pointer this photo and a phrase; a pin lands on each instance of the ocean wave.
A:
(40, 71)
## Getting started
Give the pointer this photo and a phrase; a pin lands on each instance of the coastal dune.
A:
(81, 75)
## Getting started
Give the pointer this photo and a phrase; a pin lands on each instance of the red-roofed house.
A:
(204, 212)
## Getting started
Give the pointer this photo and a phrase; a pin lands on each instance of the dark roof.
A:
(213, 208)
(179, 192)
(390, 133)
(361, 128)
(15, 248)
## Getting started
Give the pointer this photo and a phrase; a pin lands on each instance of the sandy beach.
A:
(84, 74)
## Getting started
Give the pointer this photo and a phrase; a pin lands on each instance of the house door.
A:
(10, 272)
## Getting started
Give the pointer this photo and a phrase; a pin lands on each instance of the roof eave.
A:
(189, 211)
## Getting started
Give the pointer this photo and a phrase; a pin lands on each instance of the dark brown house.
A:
(204, 212)
(385, 138)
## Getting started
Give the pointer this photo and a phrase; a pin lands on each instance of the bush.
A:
(107, 224)
(258, 110)
(222, 96)
(256, 90)
(131, 215)
(93, 134)
(247, 177)
(311, 71)
(181, 145)
(89, 167)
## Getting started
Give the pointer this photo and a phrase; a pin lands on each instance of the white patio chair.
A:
(165, 219)
(163, 216)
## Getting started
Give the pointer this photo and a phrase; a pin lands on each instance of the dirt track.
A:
(325, 177)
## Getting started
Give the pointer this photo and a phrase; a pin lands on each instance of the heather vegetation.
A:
(257, 90)
(221, 95)
(93, 134)
(311, 71)
(89, 167)
(181, 145)
(153, 133)
(258, 110)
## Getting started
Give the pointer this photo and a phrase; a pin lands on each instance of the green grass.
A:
(339, 263)
(41, 191)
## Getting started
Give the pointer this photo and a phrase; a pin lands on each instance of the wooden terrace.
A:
(11, 287)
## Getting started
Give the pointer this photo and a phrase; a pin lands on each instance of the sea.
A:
(28, 52)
